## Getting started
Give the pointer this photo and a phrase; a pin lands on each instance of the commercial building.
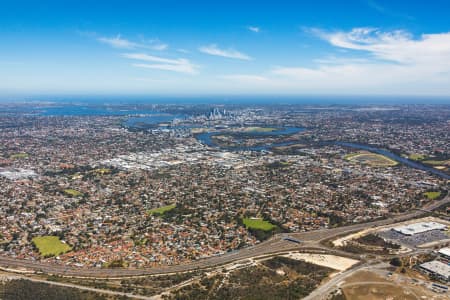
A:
(420, 227)
(445, 252)
(438, 269)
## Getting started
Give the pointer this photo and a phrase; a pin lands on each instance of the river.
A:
(205, 138)
(398, 158)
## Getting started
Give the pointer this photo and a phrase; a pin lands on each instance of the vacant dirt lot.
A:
(365, 285)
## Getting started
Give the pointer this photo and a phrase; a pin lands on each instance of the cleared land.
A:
(50, 246)
(432, 195)
(258, 224)
(371, 159)
(325, 260)
(365, 285)
(161, 210)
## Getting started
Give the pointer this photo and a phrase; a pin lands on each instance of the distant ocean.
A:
(244, 100)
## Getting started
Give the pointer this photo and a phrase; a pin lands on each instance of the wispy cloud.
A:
(254, 28)
(122, 43)
(245, 78)
(213, 49)
(386, 11)
(375, 5)
(180, 65)
(157, 45)
(384, 61)
(118, 42)
(395, 46)
(180, 68)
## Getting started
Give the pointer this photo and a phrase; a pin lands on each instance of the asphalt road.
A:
(309, 241)
(69, 285)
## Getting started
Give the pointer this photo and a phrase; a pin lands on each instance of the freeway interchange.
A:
(311, 241)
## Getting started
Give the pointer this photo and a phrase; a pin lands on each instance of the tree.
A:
(396, 262)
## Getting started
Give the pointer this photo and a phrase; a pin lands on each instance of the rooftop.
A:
(420, 227)
(445, 251)
(437, 267)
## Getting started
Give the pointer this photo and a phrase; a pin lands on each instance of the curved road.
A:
(310, 240)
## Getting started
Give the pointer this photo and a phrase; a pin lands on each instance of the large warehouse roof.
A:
(445, 251)
(438, 268)
(420, 227)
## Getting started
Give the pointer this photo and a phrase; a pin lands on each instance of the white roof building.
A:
(15, 174)
(437, 268)
(445, 252)
(420, 227)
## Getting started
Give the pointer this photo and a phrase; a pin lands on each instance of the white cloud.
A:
(384, 62)
(151, 58)
(180, 65)
(396, 46)
(118, 42)
(122, 43)
(181, 68)
(254, 28)
(213, 49)
(159, 46)
(248, 78)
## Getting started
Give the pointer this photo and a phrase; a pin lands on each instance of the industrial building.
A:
(437, 269)
(445, 253)
(420, 227)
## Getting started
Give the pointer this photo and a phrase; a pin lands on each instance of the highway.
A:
(310, 241)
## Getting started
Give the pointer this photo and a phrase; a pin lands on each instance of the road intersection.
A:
(311, 241)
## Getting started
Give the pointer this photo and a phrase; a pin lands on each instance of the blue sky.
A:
(367, 47)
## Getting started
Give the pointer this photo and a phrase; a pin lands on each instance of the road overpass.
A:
(310, 241)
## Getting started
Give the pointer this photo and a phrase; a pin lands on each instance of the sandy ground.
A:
(342, 241)
(331, 261)
(366, 285)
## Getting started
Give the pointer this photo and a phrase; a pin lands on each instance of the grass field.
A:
(161, 210)
(101, 171)
(260, 129)
(50, 246)
(416, 156)
(115, 264)
(73, 193)
(351, 155)
(19, 156)
(260, 224)
(371, 159)
(432, 195)
(437, 162)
